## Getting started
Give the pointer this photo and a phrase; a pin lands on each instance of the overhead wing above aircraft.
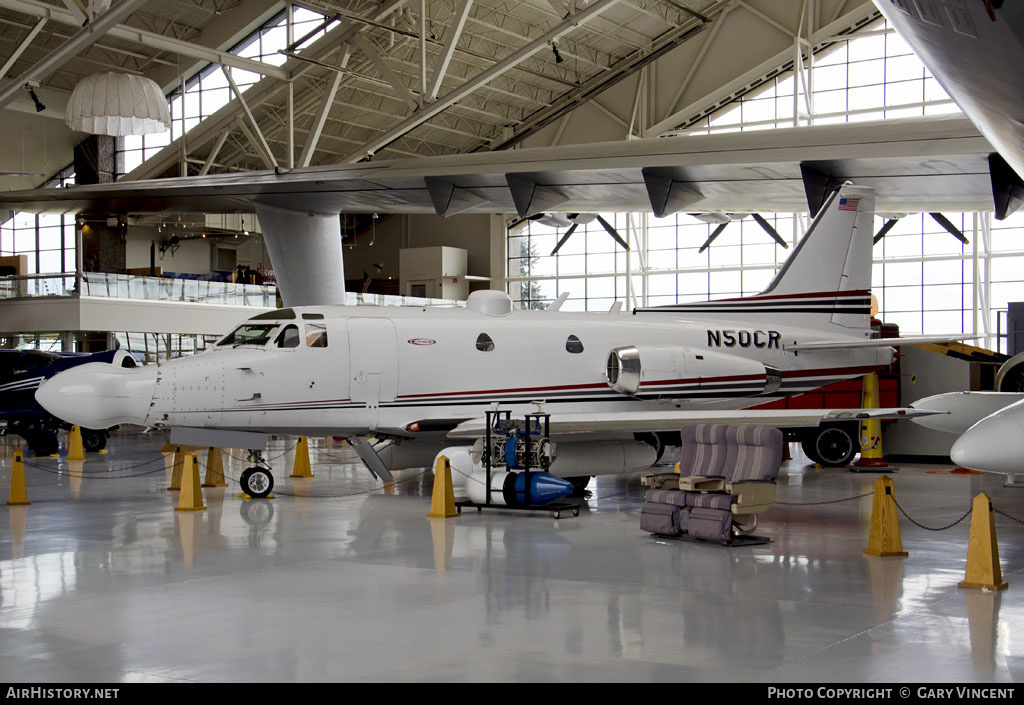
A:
(671, 420)
(938, 163)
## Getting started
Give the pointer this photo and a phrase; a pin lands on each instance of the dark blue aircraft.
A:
(21, 373)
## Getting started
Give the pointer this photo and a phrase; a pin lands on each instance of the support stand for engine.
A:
(507, 446)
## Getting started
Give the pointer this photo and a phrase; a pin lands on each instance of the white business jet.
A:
(617, 386)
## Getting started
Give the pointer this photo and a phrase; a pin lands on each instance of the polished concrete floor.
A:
(336, 579)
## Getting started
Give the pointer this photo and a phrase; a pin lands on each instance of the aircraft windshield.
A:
(249, 334)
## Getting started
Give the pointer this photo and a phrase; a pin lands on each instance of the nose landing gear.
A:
(257, 481)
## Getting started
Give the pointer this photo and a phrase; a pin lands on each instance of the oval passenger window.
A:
(573, 345)
(484, 343)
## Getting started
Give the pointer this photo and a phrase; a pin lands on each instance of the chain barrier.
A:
(1004, 514)
(102, 474)
(930, 528)
(827, 501)
(106, 475)
(326, 496)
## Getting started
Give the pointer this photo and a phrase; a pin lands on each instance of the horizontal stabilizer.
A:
(878, 342)
(672, 420)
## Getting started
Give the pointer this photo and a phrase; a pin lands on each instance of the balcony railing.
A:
(127, 286)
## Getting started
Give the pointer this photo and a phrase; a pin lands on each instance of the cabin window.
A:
(484, 343)
(289, 337)
(312, 316)
(573, 345)
(249, 334)
(316, 335)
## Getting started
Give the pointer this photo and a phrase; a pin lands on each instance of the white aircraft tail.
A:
(824, 284)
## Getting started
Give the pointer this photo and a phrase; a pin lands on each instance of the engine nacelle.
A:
(654, 368)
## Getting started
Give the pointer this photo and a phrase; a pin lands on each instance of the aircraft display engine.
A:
(511, 451)
(651, 368)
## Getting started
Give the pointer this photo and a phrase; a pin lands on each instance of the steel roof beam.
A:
(259, 93)
(454, 32)
(420, 116)
(82, 40)
(149, 39)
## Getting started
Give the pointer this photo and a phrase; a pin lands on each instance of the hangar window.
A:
(484, 343)
(573, 345)
(316, 335)
(289, 337)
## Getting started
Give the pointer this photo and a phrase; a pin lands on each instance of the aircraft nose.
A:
(995, 444)
(99, 395)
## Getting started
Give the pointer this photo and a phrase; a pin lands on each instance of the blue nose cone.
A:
(544, 488)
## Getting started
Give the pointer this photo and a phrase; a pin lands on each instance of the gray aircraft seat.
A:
(726, 477)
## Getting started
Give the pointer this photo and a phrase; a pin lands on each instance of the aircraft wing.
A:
(930, 164)
(880, 342)
(672, 420)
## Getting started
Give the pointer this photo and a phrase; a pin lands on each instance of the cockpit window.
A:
(278, 314)
(289, 337)
(484, 343)
(573, 345)
(316, 335)
(249, 334)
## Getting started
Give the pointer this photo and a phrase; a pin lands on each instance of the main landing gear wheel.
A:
(257, 482)
(832, 446)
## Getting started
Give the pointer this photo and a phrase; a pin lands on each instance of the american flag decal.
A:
(848, 204)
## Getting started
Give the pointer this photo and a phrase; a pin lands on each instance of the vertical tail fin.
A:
(825, 282)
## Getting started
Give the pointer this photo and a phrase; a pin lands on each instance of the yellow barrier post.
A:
(19, 495)
(76, 451)
(214, 469)
(442, 501)
(884, 539)
(983, 571)
(302, 467)
(871, 429)
(191, 498)
(179, 460)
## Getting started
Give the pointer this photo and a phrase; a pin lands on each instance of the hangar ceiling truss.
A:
(396, 78)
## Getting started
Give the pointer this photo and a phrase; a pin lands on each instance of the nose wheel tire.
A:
(93, 441)
(257, 482)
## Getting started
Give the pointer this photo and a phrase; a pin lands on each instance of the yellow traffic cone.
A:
(302, 467)
(19, 495)
(214, 469)
(870, 429)
(442, 502)
(179, 461)
(191, 498)
(75, 449)
(884, 539)
(983, 569)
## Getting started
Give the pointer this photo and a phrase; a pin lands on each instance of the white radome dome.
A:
(117, 104)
